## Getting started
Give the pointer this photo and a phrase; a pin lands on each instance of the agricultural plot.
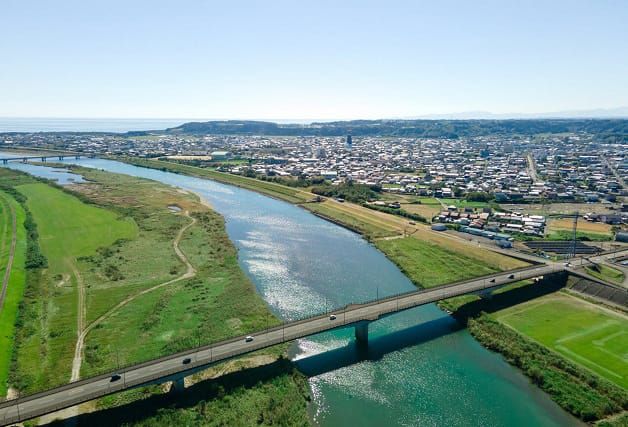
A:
(584, 333)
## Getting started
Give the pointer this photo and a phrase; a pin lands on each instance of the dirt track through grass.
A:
(189, 273)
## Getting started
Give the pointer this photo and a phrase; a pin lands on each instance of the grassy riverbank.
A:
(372, 224)
(584, 333)
(431, 259)
(278, 191)
(514, 322)
(577, 391)
(136, 269)
(10, 210)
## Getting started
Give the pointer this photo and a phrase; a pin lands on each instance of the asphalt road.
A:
(168, 368)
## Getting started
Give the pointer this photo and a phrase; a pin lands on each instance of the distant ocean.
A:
(15, 124)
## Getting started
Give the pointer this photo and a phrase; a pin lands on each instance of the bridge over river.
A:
(173, 368)
(42, 158)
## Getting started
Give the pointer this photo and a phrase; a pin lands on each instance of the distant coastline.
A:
(34, 124)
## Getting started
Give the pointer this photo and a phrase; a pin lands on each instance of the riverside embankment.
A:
(420, 368)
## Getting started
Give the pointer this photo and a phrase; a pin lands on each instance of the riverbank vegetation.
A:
(373, 224)
(584, 333)
(158, 274)
(67, 229)
(357, 193)
(10, 210)
(568, 360)
(278, 191)
(437, 265)
(583, 394)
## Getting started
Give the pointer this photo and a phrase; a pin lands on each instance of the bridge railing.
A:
(262, 331)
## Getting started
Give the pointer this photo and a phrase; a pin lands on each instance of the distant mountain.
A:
(612, 129)
(600, 113)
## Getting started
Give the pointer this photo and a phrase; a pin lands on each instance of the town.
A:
(457, 182)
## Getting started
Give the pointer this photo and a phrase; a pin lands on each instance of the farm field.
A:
(558, 208)
(15, 280)
(586, 334)
(427, 211)
(584, 226)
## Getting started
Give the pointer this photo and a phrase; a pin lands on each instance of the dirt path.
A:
(189, 273)
(7, 272)
(80, 322)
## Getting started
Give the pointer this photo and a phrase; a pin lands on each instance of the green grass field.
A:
(15, 287)
(429, 265)
(68, 229)
(582, 332)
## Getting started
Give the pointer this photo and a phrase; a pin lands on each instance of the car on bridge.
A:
(187, 361)
(114, 378)
(248, 338)
(332, 317)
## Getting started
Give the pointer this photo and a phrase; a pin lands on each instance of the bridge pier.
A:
(60, 157)
(178, 385)
(43, 159)
(362, 333)
(486, 294)
(5, 161)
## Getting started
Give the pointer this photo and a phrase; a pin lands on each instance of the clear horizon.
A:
(263, 60)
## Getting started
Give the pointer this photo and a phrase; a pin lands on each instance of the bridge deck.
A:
(170, 366)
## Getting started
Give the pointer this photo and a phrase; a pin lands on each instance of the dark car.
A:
(114, 378)
(187, 361)
(492, 280)
(512, 276)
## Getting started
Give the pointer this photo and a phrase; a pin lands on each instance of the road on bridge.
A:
(172, 367)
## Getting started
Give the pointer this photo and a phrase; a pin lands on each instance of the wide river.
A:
(420, 368)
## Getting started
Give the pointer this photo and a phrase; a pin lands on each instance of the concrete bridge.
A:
(42, 158)
(173, 368)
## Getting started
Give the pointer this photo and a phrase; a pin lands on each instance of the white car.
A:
(248, 338)
(332, 317)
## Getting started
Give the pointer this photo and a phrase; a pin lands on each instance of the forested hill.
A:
(609, 128)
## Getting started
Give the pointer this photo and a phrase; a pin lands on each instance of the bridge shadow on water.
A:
(314, 365)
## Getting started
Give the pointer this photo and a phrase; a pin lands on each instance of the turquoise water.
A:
(420, 368)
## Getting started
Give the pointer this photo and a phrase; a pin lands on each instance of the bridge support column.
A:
(486, 294)
(5, 161)
(362, 333)
(178, 385)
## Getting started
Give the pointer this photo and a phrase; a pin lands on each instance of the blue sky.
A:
(309, 59)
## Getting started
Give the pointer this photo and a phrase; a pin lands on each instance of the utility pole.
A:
(575, 233)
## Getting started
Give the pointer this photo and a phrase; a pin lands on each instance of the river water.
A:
(420, 368)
